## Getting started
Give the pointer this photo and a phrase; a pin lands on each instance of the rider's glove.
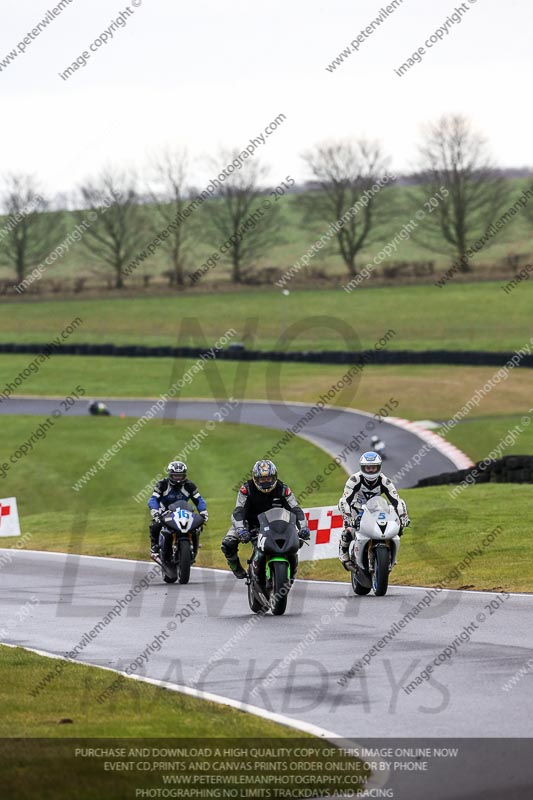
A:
(244, 535)
(357, 520)
(156, 514)
(305, 534)
(405, 521)
(205, 515)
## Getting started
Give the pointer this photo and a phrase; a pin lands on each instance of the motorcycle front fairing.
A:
(178, 522)
(180, 518)
(278, 537)
(379, 523)
(278, 532)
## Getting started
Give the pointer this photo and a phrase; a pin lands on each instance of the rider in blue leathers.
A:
(170, 490)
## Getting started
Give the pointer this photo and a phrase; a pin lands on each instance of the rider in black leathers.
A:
(254, 497)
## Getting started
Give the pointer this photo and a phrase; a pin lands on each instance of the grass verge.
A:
(422, 392)
(305, 319)
(51, 745)
(69, 707)
(508, 435)
(102, 519)
(445, 530)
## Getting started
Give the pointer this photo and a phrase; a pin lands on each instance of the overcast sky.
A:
(215, 72)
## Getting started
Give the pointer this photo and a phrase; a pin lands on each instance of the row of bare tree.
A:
(121, 228)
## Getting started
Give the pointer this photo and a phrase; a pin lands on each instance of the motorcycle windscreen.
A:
(181, 504)
(279, 515)
(279, 522)
(280, 532)
(377, 504)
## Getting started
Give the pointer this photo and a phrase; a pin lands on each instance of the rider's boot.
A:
(236, 567)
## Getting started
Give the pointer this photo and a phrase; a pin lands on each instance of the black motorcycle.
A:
(273, 565)
(98, 409)
(178, 542)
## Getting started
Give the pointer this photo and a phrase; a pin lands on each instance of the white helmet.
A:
(370, 464)
(177, 473)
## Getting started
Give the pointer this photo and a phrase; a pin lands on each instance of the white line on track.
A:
(281, 719)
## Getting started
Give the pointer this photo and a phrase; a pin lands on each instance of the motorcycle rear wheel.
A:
(169, 572)
(255, 604)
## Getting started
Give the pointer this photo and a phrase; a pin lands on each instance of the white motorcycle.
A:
(379, 447)
(375, 547)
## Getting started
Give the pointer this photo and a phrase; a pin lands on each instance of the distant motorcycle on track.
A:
(379, 447)
(375, 547)
(98, 409)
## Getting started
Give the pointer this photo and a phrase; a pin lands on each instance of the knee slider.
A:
(346, 538)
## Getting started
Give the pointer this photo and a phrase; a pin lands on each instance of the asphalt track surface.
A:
(330, 430)
(224, 649)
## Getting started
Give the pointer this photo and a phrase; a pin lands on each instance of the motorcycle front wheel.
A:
(280, 587)
(380, 578)
(184, 561)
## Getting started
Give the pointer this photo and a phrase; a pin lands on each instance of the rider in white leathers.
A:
(378, 446)
(359, 489)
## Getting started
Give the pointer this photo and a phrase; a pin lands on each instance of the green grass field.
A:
(40, 735)
(479, 436)
(102, 519)
(138, 709)
(461, 316)
(422, 392)
(444, 529)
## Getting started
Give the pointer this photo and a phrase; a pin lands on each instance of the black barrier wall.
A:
(509, 469)
(236, 352)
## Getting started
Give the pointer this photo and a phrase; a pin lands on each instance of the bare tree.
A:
(526, 203)
(117, 234)
(242, 223)
(30, 231)
(455, 158)
(170, 202)
(345, 190)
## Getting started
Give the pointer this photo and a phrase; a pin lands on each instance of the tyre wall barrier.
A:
(478, 358)
(509, 469)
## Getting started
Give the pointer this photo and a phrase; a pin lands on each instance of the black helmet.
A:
(265, 475)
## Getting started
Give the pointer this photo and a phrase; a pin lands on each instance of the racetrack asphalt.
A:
(294, 664)
(330, 430)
